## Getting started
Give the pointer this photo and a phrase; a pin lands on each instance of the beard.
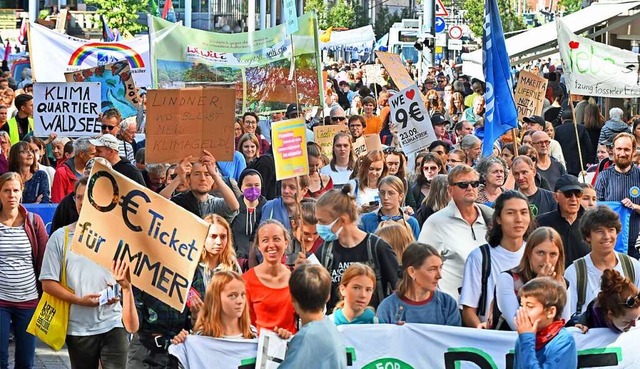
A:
(622, 163)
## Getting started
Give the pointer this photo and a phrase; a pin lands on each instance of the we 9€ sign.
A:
(410, 115)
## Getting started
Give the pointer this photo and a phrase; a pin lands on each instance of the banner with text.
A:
(68, 109)
(359, 40)
(595, 69)
(185, 122)
(369, 347)
(290, 148)
(117, 84)
(323, 136)
(53, 54)
(257, 63)
(530, 94)
(408, 111)
(160, 241)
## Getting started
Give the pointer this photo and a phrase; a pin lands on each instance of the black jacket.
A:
(566, 136)
(574, 246)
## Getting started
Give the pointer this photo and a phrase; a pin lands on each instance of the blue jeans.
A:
(25, 342)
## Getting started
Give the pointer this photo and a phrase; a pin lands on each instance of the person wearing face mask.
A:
(251, 205)
(345, 244)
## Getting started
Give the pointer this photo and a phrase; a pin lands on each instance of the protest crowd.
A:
(524, 236)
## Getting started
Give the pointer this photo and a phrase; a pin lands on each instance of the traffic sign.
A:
(441, 11)
(455, 32)
(441, 25)
(454, 44)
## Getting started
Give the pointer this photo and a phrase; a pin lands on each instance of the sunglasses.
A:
(465, 185)
(432, 169)
(570, 194)
(631, 301)
(106, 127)
(335, 119)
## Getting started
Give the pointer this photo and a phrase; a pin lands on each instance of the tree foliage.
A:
(475, 16)
(384, 20)
(341, 14)
(570, 6)
(122, 14)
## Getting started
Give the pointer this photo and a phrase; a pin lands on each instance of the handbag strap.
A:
(63, 271)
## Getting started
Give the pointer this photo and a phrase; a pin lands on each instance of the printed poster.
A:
(160, 241)
(68, 109)
(118, 87)
(290, 148)
(408, 111)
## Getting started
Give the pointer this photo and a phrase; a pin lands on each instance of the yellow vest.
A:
(14, 135)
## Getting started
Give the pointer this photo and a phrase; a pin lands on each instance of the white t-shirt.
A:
(454, 238)
(340, 178)
(364, 196)
(84, 277)
(501, 260)
(507, 300)
(594, 276)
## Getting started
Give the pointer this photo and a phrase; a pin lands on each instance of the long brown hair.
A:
(364, 164)
(355, 270)
(540, 235)
(398, 235)
(14, 157)
(614, 291)
(352, 157)
(227, 259)
(209, 321)
(414, 256)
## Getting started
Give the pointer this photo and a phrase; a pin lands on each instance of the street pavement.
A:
(46, 357)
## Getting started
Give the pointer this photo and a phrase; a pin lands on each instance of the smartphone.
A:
(374, 203)
(192, 292)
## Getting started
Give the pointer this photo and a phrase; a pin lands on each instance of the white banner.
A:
(421, 346)
(408, 111)
(53, 54)
(595, 69)
(359, 40)
(68, 109)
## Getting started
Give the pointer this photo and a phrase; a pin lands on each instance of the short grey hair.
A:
(126, 123)
(81, 145)
(139, 156)
(156, 169)
(468, 142)
(485, 163)
(616, 114)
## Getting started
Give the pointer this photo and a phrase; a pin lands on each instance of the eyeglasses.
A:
(570, 194)
(430, 169)
(335, 119)
(465, 185)
(630, 302)
(543, 143)
(106, 127)
(250, 123)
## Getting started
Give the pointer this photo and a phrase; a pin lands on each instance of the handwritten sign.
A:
(68, 109)
(530, 94)
(7, 19)
(290, 148)
(323, 136)
(396, 69)
(360, 146)
(373, 142)
(185, 122)
(160, 241)
(414, 125)
(373, 74)
(290, 16)
(118, 88)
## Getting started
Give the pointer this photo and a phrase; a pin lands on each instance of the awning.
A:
(542, 41)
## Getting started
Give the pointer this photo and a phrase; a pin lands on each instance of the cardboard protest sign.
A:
(415, 131)
(290, 148)
(160, 241)
(323, 136)
(68, 109)
(360, 146)
(118, 88)
(373, 142)
(530, 94)
(396, 69)
(184, 122)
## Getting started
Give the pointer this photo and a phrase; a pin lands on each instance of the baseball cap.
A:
(534, 119)
(291, 109)
(106, 140)
(568, 182)
(438, 119)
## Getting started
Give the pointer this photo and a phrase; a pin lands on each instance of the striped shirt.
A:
(125, 150)
(17, 277)
(612, 185)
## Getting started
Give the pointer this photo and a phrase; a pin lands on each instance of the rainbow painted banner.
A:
(53, 54)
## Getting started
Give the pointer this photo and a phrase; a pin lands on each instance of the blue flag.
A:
(500, 108)
(622, 242)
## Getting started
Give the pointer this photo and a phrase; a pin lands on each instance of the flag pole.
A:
(575, 126)
(514, 133)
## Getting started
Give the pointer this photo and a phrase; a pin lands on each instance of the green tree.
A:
(321, 10)
(384, 20)
(122, 14)
(570, 6)
(360, 18)
(475, 16)
(342, 14)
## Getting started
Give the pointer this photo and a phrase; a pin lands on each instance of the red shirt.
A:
(269, 307)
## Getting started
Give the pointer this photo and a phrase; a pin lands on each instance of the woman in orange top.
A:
(268, 294)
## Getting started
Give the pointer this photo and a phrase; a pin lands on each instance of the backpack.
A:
(496, 320)
(581, 277)
(326, 258)
(486, 264)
